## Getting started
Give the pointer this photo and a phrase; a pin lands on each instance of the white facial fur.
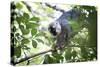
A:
(57, 26)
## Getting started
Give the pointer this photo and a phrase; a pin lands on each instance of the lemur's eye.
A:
(52, 30)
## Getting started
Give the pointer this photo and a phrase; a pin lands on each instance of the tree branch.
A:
(50, 50)
(28, 57)
(79, 46)
(54, 7)
(33, 11)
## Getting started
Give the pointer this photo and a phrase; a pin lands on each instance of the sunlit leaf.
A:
(31, 25)
(34, 19)
(39, 34)
(37, 60)
(19, 6)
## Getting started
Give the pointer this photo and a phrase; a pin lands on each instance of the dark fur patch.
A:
(52, 31)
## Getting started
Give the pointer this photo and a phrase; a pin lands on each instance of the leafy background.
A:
(29, 38)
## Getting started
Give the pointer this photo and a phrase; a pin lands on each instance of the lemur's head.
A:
(55, 28)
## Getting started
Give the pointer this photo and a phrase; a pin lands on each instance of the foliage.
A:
(27, 39)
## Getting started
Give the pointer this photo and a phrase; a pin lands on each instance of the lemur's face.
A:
(55, 28)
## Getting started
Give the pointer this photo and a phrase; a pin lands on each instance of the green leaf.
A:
(26, 16)
(17, 51)
(33, 32)
(28, 25)
(49, 59)
(23, 30)
(57, 56)
(14, 29)
(34, 25)
(34, 43)
(46, 60)
(17, 35)
(19, 20)
(68, 55)
(21, 27)
(31, 25)
(74, 54)
(34, 19)
(84, 52)
(22, 19)
(39, 34)
(39, 40)
(25, 47)
(25, 41)
(19, 6)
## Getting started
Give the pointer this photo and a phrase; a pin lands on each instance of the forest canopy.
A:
(32, 44)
